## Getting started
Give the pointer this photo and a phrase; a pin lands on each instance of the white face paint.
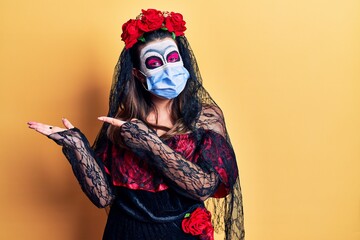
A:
(163, 67)
(161, 54)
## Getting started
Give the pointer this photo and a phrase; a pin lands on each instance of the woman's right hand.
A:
(47, 130)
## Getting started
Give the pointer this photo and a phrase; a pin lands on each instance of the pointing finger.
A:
(67, 123)
(112, 121)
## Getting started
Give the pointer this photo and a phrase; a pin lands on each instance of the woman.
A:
(163, 148)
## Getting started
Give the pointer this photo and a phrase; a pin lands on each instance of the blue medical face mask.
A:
(162, 65)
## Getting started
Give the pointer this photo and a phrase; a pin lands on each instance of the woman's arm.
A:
(87, 169)
(188, 178)
(215, 171)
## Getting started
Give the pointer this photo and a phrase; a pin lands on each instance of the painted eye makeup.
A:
(153, 62)
(173, 57)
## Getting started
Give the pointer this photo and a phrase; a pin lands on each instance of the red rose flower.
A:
(199, 224)
(175, 23)
(131, 33)
(151, 20)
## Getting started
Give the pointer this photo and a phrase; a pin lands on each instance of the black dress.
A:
(152, 184)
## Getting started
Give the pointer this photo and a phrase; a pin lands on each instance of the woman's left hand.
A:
(47, 130)
(112, 121)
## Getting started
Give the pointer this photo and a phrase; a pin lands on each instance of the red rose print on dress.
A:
(198, 223)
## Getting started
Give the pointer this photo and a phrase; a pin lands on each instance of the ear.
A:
(139, 75)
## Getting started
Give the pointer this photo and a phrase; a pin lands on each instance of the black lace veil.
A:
(227, 213)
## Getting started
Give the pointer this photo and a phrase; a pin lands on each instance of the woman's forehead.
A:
(159, 46)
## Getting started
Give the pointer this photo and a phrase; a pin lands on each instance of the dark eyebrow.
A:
(160, 52)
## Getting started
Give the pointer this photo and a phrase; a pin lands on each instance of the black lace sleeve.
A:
(184, 176)
(87, 169)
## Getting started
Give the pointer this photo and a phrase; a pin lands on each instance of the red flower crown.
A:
(151, 20)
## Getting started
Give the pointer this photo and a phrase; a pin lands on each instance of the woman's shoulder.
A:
(212, 118)
(211, 111)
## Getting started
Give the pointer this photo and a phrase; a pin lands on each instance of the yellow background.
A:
(285, 72)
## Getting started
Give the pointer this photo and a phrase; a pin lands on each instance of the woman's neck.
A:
(163, 106)
(161, 116)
